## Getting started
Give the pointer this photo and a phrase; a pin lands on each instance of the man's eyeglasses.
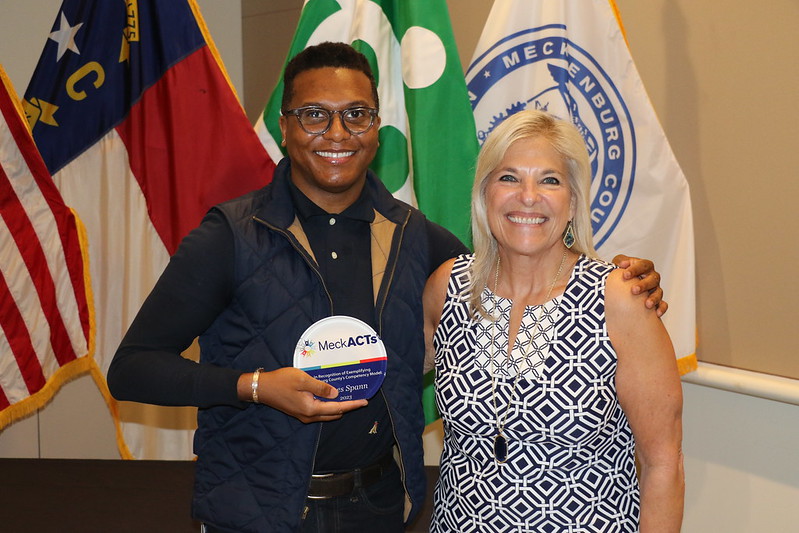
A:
(317, 120)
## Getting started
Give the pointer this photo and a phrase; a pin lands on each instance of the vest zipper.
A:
(388, 283)
(384, 293)
(303, 253)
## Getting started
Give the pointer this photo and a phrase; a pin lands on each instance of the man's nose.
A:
(337, 128)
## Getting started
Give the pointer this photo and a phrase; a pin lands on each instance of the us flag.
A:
(45, 313)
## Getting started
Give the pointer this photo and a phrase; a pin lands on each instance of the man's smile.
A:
(335, 155)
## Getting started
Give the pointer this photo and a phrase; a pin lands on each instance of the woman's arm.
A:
(435, 293)
(650, 393)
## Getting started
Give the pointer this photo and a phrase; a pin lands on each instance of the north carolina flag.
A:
(46, 332)
(139, 126)
(427, 140)
(570, 58)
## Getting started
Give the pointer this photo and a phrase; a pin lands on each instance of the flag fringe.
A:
(687, 364)
(83, 243)
(42, 397)
(99, 379)
(94, 369)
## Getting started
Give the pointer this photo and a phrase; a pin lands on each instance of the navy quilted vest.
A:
(254, 464)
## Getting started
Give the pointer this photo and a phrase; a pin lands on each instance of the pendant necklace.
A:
(500, 440)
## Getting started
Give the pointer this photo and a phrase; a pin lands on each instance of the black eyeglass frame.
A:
(332, 112)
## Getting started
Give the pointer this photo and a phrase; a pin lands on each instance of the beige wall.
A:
(267, 27)
(724, 79)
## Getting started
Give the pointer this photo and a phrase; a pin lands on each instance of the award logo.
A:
(344, 352)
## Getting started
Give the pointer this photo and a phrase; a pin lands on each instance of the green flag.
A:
(428, 143)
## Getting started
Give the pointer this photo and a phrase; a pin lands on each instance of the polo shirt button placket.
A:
(332, 222)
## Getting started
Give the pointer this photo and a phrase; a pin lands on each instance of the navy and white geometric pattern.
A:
(570, 465)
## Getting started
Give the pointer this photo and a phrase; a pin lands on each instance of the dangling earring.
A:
(568, 236)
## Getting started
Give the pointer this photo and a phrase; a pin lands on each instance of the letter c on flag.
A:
(81, 73)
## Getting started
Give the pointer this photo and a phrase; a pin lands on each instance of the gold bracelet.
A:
(255, 376)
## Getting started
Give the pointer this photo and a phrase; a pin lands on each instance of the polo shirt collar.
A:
(361, 209)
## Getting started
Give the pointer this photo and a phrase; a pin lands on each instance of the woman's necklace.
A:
(500, 441)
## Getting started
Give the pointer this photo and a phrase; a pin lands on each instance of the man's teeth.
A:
(335, 155)
(526, 220)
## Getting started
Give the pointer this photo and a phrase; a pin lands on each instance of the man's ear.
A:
(283, 125)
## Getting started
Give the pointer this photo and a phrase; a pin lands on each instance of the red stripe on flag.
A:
(3, 400)
(20, 341)
(191, 146)
(33, 256)
(73, 255)
(65, 219)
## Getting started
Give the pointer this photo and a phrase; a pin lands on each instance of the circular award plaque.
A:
(344, 352)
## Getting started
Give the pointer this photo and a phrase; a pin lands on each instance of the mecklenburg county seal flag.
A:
(570, 58)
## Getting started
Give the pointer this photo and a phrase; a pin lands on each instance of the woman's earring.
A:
(568, 235)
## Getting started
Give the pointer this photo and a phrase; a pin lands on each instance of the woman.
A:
(543, 436)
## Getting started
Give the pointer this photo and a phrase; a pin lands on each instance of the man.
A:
(324, 238)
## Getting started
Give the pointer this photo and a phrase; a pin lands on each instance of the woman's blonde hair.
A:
(568, 142)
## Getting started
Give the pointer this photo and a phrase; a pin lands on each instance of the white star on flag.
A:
(65, 37)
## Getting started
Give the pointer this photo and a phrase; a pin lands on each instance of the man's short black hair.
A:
(327, 54)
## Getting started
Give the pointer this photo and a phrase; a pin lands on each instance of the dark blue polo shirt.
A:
(341, 244)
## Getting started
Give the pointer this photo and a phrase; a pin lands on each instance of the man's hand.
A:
(292, 391)
(649, 280)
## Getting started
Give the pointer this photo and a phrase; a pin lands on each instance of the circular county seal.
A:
(541, 68)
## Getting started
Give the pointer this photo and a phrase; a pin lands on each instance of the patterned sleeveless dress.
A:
(570, 456)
